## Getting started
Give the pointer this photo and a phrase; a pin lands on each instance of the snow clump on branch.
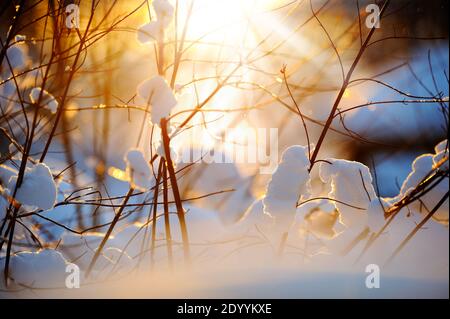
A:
(289, 183)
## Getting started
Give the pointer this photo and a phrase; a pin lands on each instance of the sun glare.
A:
(219, 19)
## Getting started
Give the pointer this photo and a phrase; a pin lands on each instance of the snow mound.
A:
(43, 269)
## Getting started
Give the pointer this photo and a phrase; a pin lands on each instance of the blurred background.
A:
(409, 52)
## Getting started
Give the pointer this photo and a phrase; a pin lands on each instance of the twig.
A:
(108, 233)
(175, 190)
(417, 228)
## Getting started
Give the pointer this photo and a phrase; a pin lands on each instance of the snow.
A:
(149, 32)
(154, 30)
(117, 257)
(42, 269)
(138, 170)
(375, 211)
(130, 239)
(160, 151)
(17, 58)
(6, 172)
(6, 91)
(290, 181)
(442, 147)
(349, 181)
(38, 188)
(254, 215)
(236, 205)
(164, 11)
(159, 95)
(47, 100)
(442, 155)
(3, 208)
(203, 225)
(421, 167)
(80, 249)
(20, 233)
(321, 219)
(20, 38)
(206, 178)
